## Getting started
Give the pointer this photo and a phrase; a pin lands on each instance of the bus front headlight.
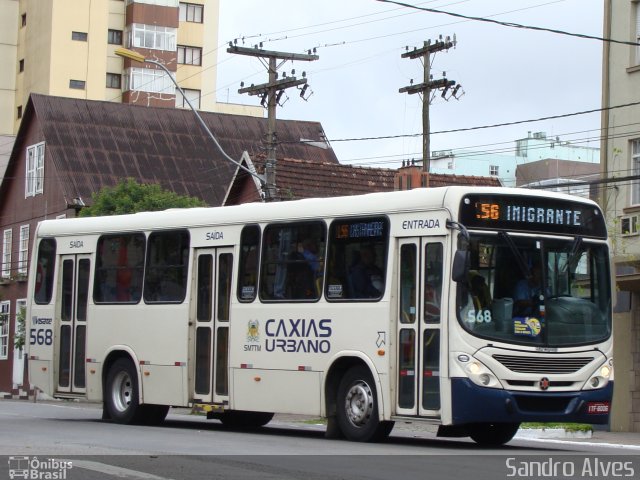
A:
(600, 377)
(478, 372)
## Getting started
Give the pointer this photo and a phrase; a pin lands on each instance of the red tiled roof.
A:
(444, 180)
(297, 179)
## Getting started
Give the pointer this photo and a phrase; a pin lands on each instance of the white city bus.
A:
(471, 308)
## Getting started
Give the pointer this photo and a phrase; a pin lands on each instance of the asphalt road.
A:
(68, 441)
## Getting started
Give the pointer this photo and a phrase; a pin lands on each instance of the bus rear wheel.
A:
(492, 434)
(121, 399)
(357, 407)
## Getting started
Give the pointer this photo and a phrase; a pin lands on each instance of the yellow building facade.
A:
(67, 48)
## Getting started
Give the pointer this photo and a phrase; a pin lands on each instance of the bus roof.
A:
(368, 204)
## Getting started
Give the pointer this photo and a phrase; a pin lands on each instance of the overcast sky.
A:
(507, 74)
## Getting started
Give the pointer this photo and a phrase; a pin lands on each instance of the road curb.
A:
(560, 433)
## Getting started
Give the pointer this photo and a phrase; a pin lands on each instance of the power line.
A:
(481, 127)
(511, 24)
(506, 150)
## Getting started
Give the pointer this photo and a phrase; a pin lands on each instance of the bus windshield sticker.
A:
(526, 326)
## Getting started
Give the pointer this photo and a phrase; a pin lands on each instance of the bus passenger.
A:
(366, 277)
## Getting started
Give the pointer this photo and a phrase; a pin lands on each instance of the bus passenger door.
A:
(214, 269)
(71, 322)
(419, 336)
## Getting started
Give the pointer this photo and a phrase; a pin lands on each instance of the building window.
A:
(24, 19)
(190, 12)
(34, 181)
(4, 329)
(152, 37)
(79, 36)
(6, 253)
(19, 111)
(635, 166)
(189, 55)
(493, 170)
(23, 252)
(77, 84)
(114, 80)
(522, 148)
(148, 80)
(114, 37)
(21, 65)
(192, 95)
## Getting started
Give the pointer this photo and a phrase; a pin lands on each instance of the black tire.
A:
(492, 434)
(238, 419)
(121, 398)
(357, 407)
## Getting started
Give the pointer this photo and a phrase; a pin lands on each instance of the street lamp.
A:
(137, 57)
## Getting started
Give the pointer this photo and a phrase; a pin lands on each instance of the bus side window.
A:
(45, 270)
(357, 259)
(119, 268)
(433, 284)
(248, 264)
(292, 266)
(166, 268)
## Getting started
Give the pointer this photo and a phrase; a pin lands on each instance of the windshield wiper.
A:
(573, 258)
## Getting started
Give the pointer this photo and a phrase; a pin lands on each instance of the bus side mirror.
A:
(460, 270)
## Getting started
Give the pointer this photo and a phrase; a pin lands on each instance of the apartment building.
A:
(67, 48)
(620, 197)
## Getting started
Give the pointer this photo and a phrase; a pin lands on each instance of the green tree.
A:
(129, 196)
(19, 339)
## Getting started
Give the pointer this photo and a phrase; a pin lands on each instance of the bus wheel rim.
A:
(359, 403)
(122, 391)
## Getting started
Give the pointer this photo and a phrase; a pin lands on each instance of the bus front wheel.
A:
(121, 399)
(357, 407)
(492, 434)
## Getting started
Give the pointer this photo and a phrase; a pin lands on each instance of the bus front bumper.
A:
(474, 404)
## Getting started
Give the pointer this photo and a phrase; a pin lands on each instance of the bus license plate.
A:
(597, 407)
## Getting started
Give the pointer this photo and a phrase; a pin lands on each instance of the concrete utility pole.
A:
(425, 88)
(271, 93)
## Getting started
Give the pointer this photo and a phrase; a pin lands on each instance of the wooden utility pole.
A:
(425, 88)
(270, 92)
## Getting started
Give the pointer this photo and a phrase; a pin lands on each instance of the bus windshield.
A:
(545, 292)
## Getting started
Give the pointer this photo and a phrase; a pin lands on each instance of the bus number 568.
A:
(41, 336)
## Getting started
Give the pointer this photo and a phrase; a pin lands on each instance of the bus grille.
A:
(543, 365)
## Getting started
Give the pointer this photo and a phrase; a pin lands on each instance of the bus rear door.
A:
(419, 336)
(214, 269)
(71, 322)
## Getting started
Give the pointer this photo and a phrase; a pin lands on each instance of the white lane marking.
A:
(588, 444)
(113, 470)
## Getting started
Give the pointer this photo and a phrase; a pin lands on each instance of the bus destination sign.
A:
(532, 214)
